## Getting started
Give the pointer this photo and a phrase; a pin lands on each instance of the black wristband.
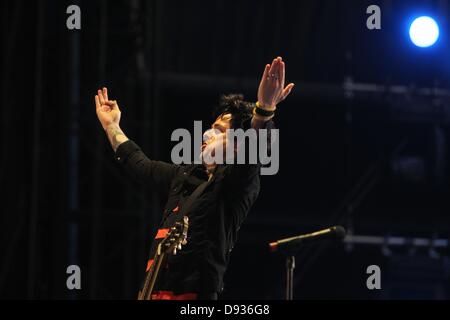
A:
(263, 113)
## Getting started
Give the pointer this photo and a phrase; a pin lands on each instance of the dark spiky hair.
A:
(240, 110)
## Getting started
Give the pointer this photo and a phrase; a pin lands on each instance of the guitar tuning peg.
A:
(184, 242)
(174, 251)
(179, 246)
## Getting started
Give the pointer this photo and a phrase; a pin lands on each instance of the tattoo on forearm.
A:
(116, 136)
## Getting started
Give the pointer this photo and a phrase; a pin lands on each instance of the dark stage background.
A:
(364, 141)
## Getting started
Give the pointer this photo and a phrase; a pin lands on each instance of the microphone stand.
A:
(290, 266)
(290, 254)
(291, 246)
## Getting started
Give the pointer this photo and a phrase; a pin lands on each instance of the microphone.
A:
(336, 232)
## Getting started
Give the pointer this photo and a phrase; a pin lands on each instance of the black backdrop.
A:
(373, 161)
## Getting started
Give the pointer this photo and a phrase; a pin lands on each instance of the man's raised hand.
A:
(271, 89)
(108, 111)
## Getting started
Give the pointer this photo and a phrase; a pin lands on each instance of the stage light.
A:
(424, 31)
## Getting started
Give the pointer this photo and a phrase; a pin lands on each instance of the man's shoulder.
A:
(187, 169)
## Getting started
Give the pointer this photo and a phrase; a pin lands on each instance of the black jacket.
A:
(215, 215)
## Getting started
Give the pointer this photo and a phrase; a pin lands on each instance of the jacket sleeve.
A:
(243, 180)
(156, 174)
(241, 174)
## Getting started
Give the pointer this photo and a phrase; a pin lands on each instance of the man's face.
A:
(215, 135)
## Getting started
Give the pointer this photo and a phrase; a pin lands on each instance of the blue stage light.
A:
(424, 31)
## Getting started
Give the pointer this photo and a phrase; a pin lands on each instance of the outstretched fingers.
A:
(273, 68)
(265, 73)
(282, 73)
(105, 93)
(287, 90)
(97, 102)
(100, 96)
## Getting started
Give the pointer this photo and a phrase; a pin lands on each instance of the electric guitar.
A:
(173, 241)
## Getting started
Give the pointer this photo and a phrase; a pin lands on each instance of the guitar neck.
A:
(151, 277)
